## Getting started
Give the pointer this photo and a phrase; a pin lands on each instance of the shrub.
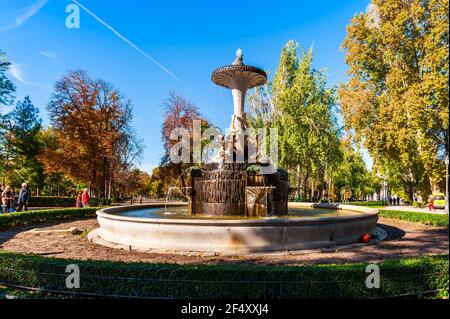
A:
(22, 219)
(404, 276)
(439, 220)
(65, 201)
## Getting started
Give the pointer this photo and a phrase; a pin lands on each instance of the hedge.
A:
(121, 279)
(64, 201)
(439, 220)
(22, 219)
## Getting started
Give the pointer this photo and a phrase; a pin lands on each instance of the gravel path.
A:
(405, 240)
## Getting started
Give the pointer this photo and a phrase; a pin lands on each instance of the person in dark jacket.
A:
(24, 198)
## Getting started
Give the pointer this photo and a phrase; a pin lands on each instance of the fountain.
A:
(225, 187)
(232, 208)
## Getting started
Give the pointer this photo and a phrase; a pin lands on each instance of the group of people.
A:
(82, 199)
(8, 198)
(395, 200)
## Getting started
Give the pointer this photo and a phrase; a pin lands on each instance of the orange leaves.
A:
(90, 120)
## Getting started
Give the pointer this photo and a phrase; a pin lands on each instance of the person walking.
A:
(420, 200)
(79, 203)
(85, 198)
(24, 198)
(431, 203)
(8, 199)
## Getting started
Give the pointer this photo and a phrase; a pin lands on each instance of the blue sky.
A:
(188, 38)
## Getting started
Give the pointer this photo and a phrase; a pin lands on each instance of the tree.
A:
(156, 185)
(351, 175)
(56, 182)
(308, 134)
(135, 183)
(396, 99)
(178, 113)
(25, 142)
(7, 90)
(95, 143)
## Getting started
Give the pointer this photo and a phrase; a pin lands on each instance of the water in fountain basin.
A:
(169, 190)
(181, 212)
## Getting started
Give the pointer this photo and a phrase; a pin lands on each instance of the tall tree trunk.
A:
(305, 185)
(298, 180)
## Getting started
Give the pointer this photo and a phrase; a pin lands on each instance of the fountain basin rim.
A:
(361, 213)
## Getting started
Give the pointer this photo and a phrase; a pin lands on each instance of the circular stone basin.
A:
(170, 228)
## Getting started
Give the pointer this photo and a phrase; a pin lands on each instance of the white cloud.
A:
(49, 54)
(30, 11)
(16, 71)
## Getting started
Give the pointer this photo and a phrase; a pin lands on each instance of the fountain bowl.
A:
(232, 236)
(234, 76)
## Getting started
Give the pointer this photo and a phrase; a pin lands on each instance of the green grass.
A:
(438, 220)
(373, 204)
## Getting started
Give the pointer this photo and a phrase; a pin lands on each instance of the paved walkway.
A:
(413, 209)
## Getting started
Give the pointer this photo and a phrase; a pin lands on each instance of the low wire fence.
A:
(100, 279)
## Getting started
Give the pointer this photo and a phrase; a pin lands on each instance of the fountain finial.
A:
(239, 58)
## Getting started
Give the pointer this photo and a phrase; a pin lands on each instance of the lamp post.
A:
(446, 183)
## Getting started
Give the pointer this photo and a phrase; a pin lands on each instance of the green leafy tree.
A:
(308, 133)
(351, 178)
(7, 90)
(26, 143)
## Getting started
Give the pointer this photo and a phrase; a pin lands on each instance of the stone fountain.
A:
(227, 187)
(230, 205)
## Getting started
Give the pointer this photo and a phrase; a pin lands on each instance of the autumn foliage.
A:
(91, 139)
(396, 99)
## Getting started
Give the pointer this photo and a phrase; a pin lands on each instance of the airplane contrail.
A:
(142, 52)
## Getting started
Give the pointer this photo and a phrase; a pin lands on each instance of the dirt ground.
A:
(405, 239)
